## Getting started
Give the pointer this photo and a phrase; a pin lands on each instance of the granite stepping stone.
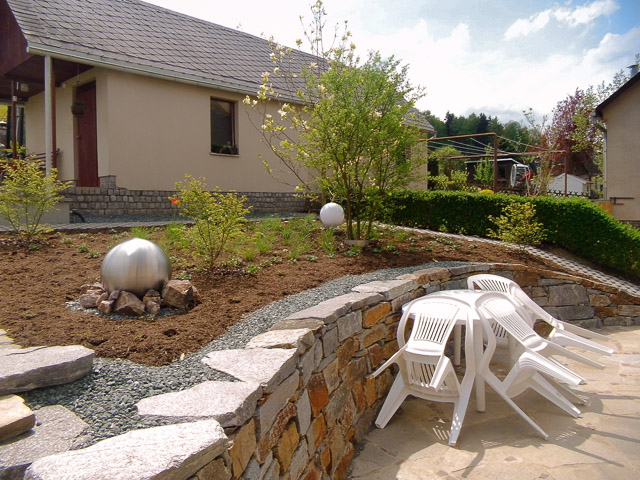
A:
(230, 403)
(57, 430)
(168, 452)
(266, 366)
(15, 417)
(28, 368)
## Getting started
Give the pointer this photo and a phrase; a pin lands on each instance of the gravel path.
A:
(106, 398)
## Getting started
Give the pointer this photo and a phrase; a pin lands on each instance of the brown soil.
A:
(36, 284)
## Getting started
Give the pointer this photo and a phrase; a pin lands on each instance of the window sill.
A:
(224, 154)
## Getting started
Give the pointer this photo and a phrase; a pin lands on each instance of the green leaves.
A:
(26, 194)
(219, 217)
(518, 225)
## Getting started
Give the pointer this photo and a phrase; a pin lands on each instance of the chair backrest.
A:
(490, 283)
(507, 313)
(495, 283)
(433, 320)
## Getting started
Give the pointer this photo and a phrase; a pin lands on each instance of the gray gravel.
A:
(106, 398)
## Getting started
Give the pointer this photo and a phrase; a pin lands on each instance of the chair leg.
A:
(394, 399)
(569, 394)
(494, 383)
(544, 388)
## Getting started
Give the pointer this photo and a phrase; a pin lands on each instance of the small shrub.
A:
(66, 240)
(82, 248)
(518, 225)
(219, 217)
(93, 254)
(26, 194)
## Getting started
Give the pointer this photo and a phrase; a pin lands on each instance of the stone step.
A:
(34, 367)
(15, 417)
(168, 452)
(230, 403)
(57, 430)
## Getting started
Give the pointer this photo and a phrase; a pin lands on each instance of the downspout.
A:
(48, 113)
(596, 120)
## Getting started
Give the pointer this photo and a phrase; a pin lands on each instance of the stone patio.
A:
(600, 444)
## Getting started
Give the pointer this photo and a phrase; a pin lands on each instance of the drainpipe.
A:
(48, 113)
(596, 120)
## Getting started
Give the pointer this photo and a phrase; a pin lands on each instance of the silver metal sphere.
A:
(331, 215)
(136, 266)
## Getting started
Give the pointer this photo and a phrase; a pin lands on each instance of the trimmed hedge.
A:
(574, 224)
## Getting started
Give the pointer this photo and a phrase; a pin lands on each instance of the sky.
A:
(498, 57)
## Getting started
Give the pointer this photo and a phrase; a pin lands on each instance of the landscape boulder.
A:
(128, 304)
(180, 294)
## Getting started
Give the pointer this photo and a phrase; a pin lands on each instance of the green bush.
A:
(518, 225)
(574, 224)
(27, 193)
(218, 217)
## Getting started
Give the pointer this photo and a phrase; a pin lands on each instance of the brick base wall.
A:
(111, 200)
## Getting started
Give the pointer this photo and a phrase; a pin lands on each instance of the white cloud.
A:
(523, 27)
(585, 14)
(573, 17)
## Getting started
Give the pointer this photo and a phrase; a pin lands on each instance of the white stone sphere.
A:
(331, 215)
(135, 266)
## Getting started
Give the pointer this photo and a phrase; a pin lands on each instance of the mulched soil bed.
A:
(37, 284)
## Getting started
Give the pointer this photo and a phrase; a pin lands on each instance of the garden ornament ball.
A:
(135, 266)
(331, 215)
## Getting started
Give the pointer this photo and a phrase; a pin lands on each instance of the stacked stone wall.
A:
(305, 396)
(111, 200)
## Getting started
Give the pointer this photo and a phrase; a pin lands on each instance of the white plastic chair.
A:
(563, 333)
(424, 370)
(529, 367)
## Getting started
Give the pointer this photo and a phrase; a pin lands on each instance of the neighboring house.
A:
(575, 185)
(162, 95)
(621, 114)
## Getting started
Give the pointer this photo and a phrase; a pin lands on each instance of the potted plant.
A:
(77, 108)
(230, 149)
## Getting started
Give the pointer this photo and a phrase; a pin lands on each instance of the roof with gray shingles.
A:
(144, 38)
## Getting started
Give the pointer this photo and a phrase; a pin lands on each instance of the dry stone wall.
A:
(304, 396)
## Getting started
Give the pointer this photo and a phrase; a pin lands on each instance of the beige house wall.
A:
(151, 132)
(622, 165)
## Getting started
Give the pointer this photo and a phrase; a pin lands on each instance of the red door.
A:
(87, 137)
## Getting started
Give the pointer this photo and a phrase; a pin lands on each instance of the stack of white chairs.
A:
(533, 368)
(563, 333)
(424, 369)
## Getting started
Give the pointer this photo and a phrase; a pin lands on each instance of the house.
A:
(575, 185)
(621, 114)
(161, 94)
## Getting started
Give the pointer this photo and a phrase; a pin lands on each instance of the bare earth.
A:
(35, 286)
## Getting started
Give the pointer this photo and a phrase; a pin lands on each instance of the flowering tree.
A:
(350, 135)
